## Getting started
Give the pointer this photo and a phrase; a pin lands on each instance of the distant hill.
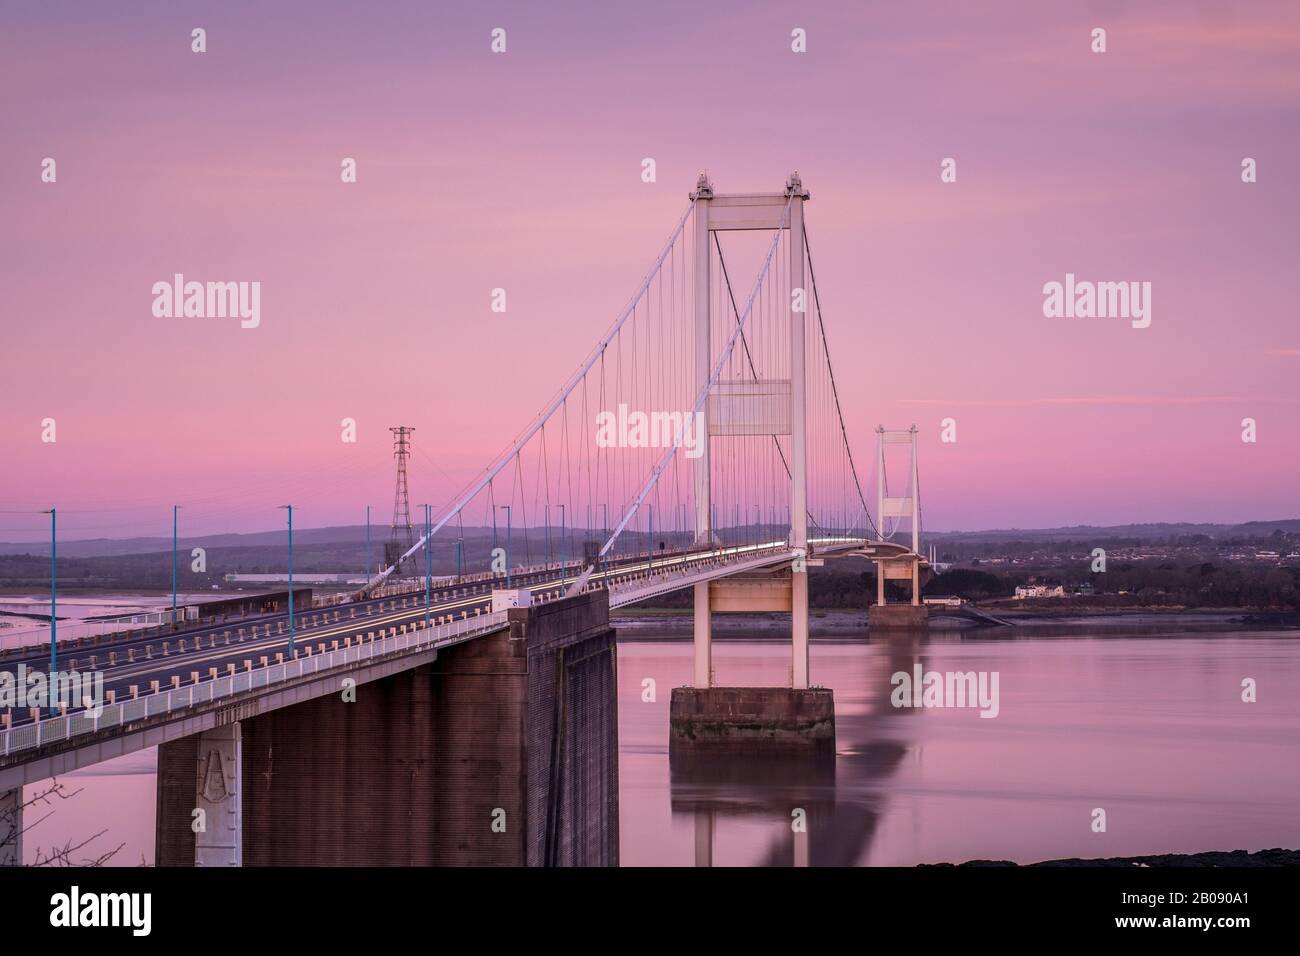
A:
(114, 547)
(1148, 532)
(356, 534)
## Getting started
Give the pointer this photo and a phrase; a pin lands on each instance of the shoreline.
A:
(1276, 857)
(838, 623)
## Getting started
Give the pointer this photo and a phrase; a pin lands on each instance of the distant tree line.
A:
(963, 550)
(1207, 582)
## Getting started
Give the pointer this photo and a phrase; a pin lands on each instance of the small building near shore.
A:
(1040, 591)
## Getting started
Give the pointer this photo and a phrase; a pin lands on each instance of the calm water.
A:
(1150, 728)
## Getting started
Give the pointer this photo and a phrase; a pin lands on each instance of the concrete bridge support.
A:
(885, 616)
(904, 566)
(713, 722)
(11, 827)
(708, 723)
(218, 786)
(501, 752)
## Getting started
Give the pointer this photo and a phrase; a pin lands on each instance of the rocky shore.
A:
(1213, 858)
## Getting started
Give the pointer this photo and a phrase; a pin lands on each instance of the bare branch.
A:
(57, 855)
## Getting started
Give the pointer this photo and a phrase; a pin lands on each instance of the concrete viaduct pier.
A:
(725, 722)
(501, 751)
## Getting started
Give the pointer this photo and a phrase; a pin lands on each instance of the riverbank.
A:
(1215, 858)
(1263, 617)
(677, 623)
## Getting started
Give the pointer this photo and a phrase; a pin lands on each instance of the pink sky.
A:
(523, 171)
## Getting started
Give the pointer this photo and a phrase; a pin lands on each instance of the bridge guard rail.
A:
(61, 727)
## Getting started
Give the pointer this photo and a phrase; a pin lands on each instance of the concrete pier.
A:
(898, 617)
(706, 721)
(218, 795)
(503, 751)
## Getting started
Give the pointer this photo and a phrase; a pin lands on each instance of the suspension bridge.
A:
(771, 481)
(700, 445)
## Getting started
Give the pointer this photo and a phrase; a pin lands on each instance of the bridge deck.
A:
(212, 674)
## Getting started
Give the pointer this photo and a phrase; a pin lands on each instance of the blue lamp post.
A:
(175, 508)
(54, 603)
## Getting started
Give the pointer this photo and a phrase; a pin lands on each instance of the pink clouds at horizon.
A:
(523, 171)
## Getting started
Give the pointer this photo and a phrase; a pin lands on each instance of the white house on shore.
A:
(1040, 591)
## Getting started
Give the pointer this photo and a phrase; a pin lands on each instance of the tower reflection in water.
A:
(812, 824)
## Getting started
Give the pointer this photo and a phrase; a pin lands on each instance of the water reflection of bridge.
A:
(837, 829)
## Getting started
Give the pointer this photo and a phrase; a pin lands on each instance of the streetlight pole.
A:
(54, 606)
(175, 508)
(651, 510)
(291, 621)
(369, 553)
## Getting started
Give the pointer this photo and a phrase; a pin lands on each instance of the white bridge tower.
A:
(737, 408)
(903, 566)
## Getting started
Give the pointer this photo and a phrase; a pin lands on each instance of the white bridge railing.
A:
(404, 638)
(37, 633)
(625, 587)
(648, 585)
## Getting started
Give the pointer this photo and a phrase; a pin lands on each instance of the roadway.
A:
(139, 660)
